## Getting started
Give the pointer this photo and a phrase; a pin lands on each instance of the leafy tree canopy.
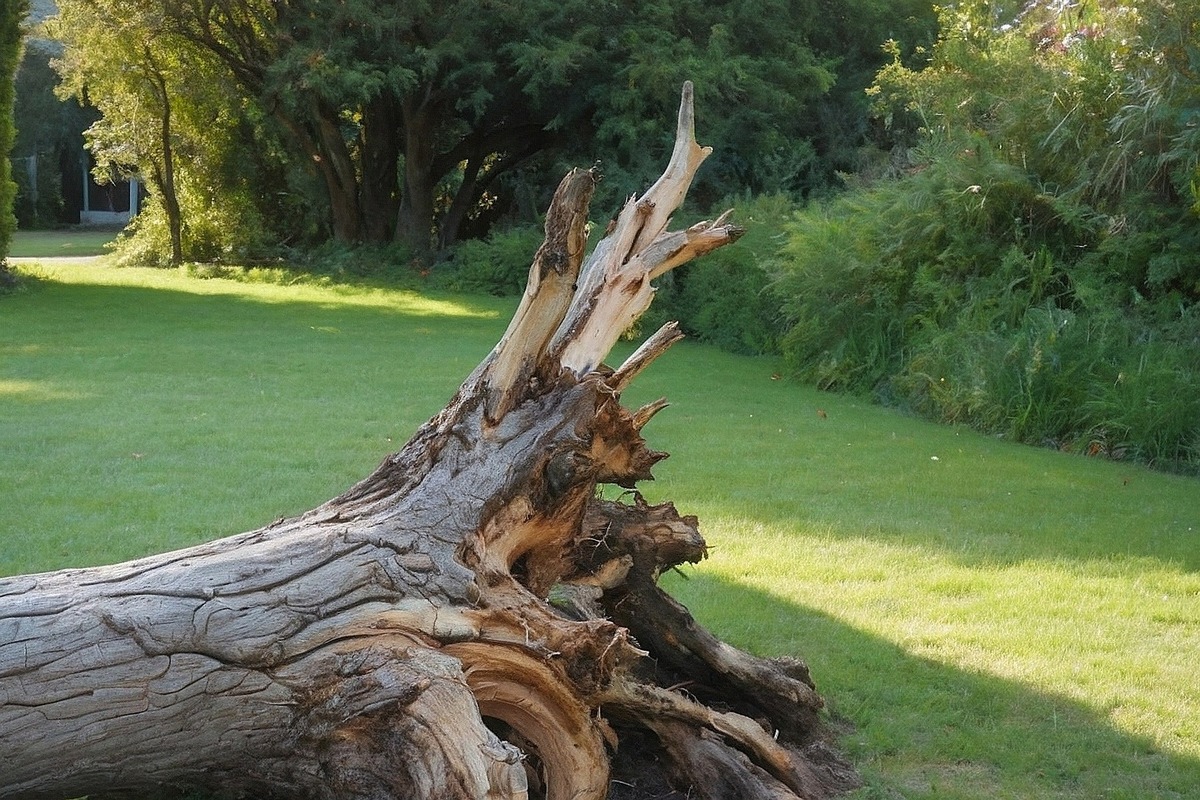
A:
(412, 118)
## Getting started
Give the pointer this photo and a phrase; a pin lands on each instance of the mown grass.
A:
(65, 243)
(986, 620)
(145, 411)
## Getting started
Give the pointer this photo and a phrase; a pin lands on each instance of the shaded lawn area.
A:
(985, 620)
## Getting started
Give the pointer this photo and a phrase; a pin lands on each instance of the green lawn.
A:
(70, 243)
(986, 620)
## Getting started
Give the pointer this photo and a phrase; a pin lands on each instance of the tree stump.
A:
(472, 620)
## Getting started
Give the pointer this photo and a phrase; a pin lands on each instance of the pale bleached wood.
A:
(547, 296)
(614, 285)
(646, 353)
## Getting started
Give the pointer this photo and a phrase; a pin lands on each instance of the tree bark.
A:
(341, 178)
(164, 172)
(414, 219)
(504, 146)
(380, 147)
(469, 621)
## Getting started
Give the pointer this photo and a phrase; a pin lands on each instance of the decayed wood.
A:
(469, 621)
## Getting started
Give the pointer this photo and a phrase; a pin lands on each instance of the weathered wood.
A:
(469, 621)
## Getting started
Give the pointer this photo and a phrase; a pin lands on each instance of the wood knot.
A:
(560, 473)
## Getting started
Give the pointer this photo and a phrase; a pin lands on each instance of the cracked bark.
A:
(469, 621)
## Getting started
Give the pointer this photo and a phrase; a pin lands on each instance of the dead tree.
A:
(472, 620)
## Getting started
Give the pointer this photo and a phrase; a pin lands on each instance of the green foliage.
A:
(779, 90)
(844, 298)
(497, 265)
(726, 298)
(1026, 382)
(1030, 267)
(49, 140)
(1146, 403)
(755, 74)
(426, 122)
(11, 16)
(393, 264)
(171, 116)
(218, 229)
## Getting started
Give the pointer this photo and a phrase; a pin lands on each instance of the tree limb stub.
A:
(547, 295)
(612, 289)
(471, 620)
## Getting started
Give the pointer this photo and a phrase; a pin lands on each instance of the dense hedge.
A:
(1032, 267)
(917, 291)
(727, 298)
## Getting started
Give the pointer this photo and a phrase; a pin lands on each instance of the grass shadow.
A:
(924, 729)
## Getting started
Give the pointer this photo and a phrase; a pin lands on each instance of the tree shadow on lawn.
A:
(917, 728)
(790, 453)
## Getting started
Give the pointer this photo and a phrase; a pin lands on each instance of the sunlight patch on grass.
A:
(324, 295)
(35, 391)
(1118, 635)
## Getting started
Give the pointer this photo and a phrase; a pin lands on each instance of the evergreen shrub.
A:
(726, 298)
(12, 14)
(497, 265)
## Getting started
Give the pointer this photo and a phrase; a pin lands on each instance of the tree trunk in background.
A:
(484, 157)
(164, 178)
(340, 175)
(469, 621)
(414, 221)
(380, 157)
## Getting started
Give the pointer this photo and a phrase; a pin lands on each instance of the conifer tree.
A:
(12, 14)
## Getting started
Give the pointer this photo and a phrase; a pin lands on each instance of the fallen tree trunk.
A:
(469, 621)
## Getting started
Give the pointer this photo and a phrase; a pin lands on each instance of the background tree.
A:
(170, 116)
(794, 72)
(12, 15)
(422, 123)
(115, 53)
(50, 134)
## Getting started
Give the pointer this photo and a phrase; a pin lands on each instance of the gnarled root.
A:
(720, 722)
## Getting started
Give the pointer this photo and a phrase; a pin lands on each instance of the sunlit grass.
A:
(995, 620)
(143, 411)
(66, 243)
(33, 390)
(322, 292)
(986, 620)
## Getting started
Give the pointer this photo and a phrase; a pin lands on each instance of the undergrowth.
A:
(919, 293)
